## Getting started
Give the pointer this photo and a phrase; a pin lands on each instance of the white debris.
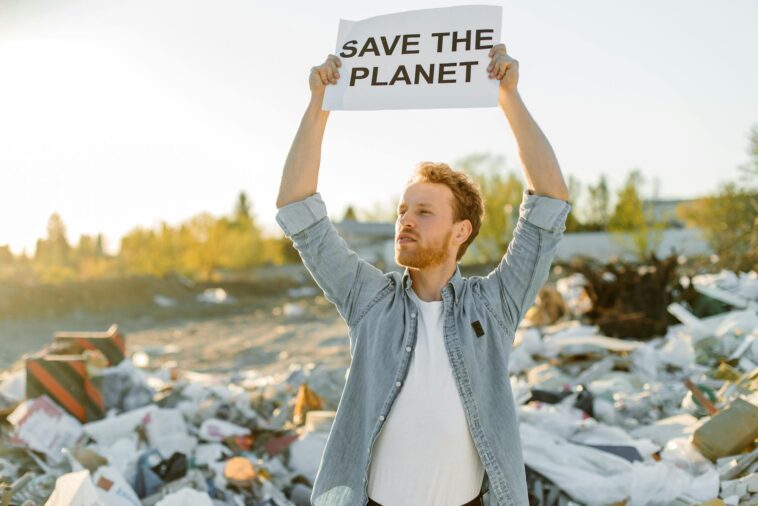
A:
(41, 425)
(215, 296)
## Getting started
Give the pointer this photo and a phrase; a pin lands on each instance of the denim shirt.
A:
(481, 316)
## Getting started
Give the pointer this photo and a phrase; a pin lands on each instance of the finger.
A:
(331, 71)
(322, 72)
(495, 60)
(333, 59)
(501, 71)
(506, 69)
(492, 69)
(497, 49)
(498, 59)
(494, 49)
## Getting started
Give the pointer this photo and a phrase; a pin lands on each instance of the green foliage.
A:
(632, 222)
(350, 214)
(377, 212)
(598, 205)
(502, 192)
(197, 248)
(200, 246)
(729, 218)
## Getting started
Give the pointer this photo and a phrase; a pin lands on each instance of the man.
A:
(427, 415)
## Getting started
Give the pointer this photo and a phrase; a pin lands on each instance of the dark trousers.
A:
(476, 501)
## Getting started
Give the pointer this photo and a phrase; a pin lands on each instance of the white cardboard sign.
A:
(424, 59)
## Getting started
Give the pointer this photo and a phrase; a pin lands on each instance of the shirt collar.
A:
(455, 282)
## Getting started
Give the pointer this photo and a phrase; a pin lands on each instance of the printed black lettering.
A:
(457, 40)
(480, 38)
(375, 77)
(440, 38)
(349, 46)
(468, 65)
(388, 50)
(400, 75)
(443, 72)
(369, 46)
(354, 74)
(407, 42)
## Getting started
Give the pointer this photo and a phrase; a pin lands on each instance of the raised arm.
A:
(543, 174)
(300, 175)
(349, 282)
(543, 210)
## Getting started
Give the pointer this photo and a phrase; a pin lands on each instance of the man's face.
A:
(424, 226)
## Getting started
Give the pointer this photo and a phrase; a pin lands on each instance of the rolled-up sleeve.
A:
(543, 211)
(513, 285)
(348, 281)
(297, 216)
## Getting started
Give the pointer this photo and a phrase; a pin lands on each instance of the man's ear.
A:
(463, 230)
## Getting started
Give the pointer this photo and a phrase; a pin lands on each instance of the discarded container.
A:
(65, 379)
(729, 431)
(111, 343)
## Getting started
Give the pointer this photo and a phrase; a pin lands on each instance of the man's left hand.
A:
(503, 67)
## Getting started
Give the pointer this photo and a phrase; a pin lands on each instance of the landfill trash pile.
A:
(670, 420)
(160, 437)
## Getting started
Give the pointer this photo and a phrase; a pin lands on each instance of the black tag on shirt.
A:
(478, 328)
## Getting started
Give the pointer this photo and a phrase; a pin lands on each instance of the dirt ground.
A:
(266, 339)
(266, 330)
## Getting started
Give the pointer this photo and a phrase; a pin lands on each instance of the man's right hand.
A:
(324, 74)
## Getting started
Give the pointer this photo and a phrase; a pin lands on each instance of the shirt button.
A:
(413, 315)
(408, 349)
(381, 417)
(397, 383)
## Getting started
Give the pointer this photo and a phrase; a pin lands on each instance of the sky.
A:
(119, 114)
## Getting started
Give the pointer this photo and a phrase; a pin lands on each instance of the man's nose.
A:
(405, 222)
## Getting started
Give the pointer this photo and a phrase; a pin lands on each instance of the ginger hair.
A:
(468, 203)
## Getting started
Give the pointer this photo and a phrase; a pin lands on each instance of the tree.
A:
(729, 218)
(382, 212)
(575, 189)
(55, 249)
(349, 214)
(598, 205)
(750, 169)
(632, 223)
(242, 208)
(502, 192)
(6, 256)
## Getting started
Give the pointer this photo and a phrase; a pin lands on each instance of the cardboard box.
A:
(110, 343)
(64, 379)
(729, 431)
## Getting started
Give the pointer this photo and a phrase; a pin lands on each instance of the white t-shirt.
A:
(424, 454)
